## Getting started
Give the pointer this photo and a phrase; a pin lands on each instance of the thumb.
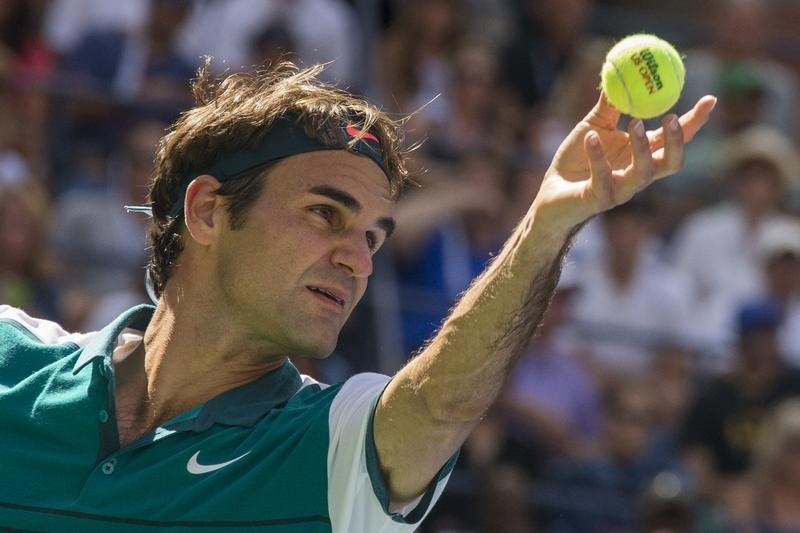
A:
(603, 113)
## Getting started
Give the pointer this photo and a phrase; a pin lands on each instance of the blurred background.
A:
(662, 392)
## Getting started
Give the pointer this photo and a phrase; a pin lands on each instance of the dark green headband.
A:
(285, 137)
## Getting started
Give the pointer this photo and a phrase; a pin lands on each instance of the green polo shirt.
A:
(283, 453)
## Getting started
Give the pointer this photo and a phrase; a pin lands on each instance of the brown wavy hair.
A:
(232, 114)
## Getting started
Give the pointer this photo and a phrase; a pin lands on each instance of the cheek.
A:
(251, 258)
(361, 288)
(276, 252)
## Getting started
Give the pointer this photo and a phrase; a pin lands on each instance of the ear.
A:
(203, 209)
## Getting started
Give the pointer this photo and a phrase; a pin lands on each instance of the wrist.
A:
(551, 221)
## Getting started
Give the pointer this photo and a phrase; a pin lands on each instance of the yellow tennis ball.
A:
(643, 76)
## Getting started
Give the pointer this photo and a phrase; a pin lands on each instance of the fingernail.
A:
(673, 124)
(714, 104)
(638, 128)
(593, 139)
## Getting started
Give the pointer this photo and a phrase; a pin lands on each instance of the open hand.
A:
(598, 166)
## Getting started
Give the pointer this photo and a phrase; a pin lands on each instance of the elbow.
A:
(453, 407)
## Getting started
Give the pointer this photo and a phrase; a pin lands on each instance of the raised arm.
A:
(432, 404)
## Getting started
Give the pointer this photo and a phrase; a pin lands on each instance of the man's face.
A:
(759, 349)
(625, 232)
(294, 272)
(758, 186)
(628, 425)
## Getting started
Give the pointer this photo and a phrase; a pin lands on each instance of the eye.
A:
(326, 212)
(373, 242)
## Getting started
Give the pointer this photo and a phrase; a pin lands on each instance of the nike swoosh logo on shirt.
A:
(196, 468)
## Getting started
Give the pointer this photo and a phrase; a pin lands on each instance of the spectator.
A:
(471, 121)
(551, 403)
(26, 70)
(549, 33)
(17, 128)
(768, 501)
(24, 272)
(630, 303)
(111, 71)
(273, 45)
(491, 21)
(742, 95)
(720, 430)
(672, 381)
(740, 32)
(667, 506)
(67, 22)
(416, 60)
(489, 491)
(23, 52)
(504, 505)
(101, 247)
(777, 469)
(575, 87)
(322, 30)
(780, 253)
(445, 235)
(603, 493)
(717, 247)
(142, 65)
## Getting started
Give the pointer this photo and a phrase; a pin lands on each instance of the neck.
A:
(783, 503)
(756, 379)
(754, 214)
(188, 357)
(622, 268)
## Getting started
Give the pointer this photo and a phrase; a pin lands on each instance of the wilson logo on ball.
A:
(648, 70)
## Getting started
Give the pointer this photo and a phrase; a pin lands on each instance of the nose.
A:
(353, 255)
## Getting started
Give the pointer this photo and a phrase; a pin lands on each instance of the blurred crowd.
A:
(662, 392)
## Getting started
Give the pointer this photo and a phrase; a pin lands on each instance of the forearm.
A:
(433, 403)
(461, 371)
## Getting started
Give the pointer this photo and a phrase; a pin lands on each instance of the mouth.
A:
(328, 295)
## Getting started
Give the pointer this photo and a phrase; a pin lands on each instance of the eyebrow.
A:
(387, 224)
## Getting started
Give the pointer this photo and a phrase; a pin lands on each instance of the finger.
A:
(600, 171)
(670, 160)
(643, 167)
(603, 115)
(691, 122)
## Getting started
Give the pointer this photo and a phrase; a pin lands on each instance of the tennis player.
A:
(271, 197)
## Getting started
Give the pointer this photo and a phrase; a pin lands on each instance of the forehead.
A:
(757, 167)
(353, 173)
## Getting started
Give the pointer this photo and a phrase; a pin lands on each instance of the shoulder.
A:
(359, 393)
(666, 280)
(718, 392)
(354, 397)
(711, 220)
(365, 381)
(103, 38)
(790, 381)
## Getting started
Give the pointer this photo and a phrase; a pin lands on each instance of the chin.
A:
(316, 348)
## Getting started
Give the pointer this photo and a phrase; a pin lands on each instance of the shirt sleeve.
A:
(44, 331)
(358, 499)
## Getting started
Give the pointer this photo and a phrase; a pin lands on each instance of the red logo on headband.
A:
(352, 131)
